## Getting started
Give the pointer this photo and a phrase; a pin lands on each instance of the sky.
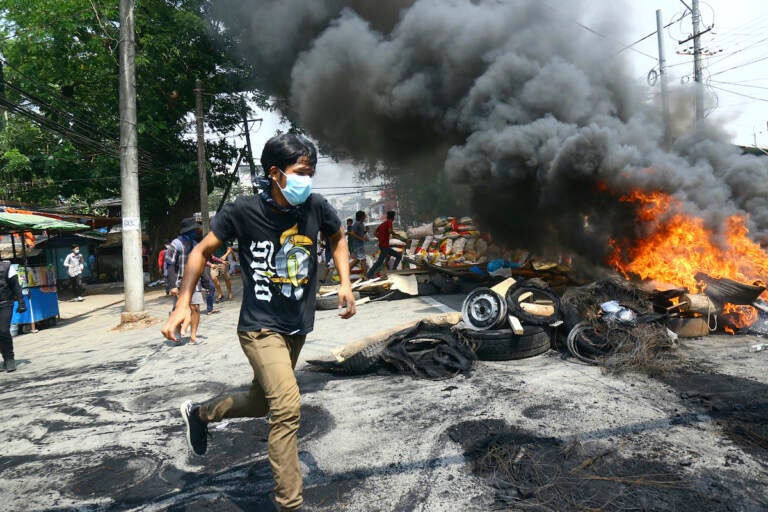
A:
(737, 78)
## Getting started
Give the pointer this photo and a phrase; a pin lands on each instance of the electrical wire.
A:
(741, 85)
(629, 46)
(738, 93)
(740, 66)
(595, 32)
(720, 59)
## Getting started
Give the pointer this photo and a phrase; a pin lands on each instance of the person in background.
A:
(219, 271)
(75, 264)
(92, 267)
(325, 255)
(357, 247)
(233, 262)
(209, 285)
(190, 233)
(384, 232)
(277, 232)
(161, 267)
(10, 291)
(348, 230)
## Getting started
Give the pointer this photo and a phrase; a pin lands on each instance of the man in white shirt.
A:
(74, 263)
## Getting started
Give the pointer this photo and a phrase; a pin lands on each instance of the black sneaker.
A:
(197, 429)
(10, 365)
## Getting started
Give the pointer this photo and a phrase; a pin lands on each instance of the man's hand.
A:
(178, 322)
(346, 297)
(174, 291)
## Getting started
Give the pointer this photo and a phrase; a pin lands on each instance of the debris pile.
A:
(428, 349)
(512, 320)
(448, 241)
(613, 323)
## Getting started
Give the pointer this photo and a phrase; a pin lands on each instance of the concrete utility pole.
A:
(4, 117)
(663, 80)
(696, 16)
(201, 167)
(133, 274)
(247, 129)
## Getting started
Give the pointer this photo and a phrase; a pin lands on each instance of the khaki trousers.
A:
(274, 389)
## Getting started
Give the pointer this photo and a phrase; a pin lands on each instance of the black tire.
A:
(361, 362)
(331, 302)
(445, 284)
(539, 291)
(505, 345)
(427, 289)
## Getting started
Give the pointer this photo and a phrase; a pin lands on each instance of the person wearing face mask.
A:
(190, 233)
(74, 263)
(277, 232)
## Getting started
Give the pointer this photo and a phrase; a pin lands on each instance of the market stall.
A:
(39, 281)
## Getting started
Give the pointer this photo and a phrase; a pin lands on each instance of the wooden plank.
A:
(524, 296)
(517, 327)
(502, 287)
(538, 309)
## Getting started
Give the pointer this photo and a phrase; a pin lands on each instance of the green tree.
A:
(61, 89)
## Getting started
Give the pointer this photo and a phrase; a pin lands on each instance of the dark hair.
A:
(349, 221)
(75, 245)
(359, 215)
(284, 150)
(391, 214)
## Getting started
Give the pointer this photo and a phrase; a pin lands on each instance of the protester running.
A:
(277, 231)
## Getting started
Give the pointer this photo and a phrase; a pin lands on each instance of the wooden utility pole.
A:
(202, 172)
(133, 272)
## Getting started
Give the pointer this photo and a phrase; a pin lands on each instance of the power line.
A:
(720, 59)
(603, 36)
(738, 93)
(737, 84)
(629, 46)
(739, 66)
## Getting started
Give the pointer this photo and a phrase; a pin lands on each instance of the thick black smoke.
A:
(516, 98)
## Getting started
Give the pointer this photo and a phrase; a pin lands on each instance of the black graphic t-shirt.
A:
(278, 260)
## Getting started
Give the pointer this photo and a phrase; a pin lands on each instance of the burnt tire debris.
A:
(613, 324)
(425, 350)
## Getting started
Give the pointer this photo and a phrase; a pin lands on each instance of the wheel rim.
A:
(484, 309)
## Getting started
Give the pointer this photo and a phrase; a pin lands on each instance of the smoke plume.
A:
(528, 102)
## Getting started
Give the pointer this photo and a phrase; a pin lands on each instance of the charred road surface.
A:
(90, 422)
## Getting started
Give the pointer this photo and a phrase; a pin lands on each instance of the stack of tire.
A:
(486, 314)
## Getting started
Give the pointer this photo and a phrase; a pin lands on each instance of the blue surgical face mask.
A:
(297, 188)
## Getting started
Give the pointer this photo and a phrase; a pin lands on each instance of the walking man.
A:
(190, 233)
(219, 271)
(10, 291)
(358, 237)
(384, 232)
(277, 231)
(75, 264)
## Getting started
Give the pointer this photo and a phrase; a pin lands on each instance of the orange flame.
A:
(679, 245)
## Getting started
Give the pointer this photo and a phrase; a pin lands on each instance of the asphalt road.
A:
(90, 422)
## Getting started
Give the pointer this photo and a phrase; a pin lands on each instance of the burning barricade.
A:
(677, 279)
